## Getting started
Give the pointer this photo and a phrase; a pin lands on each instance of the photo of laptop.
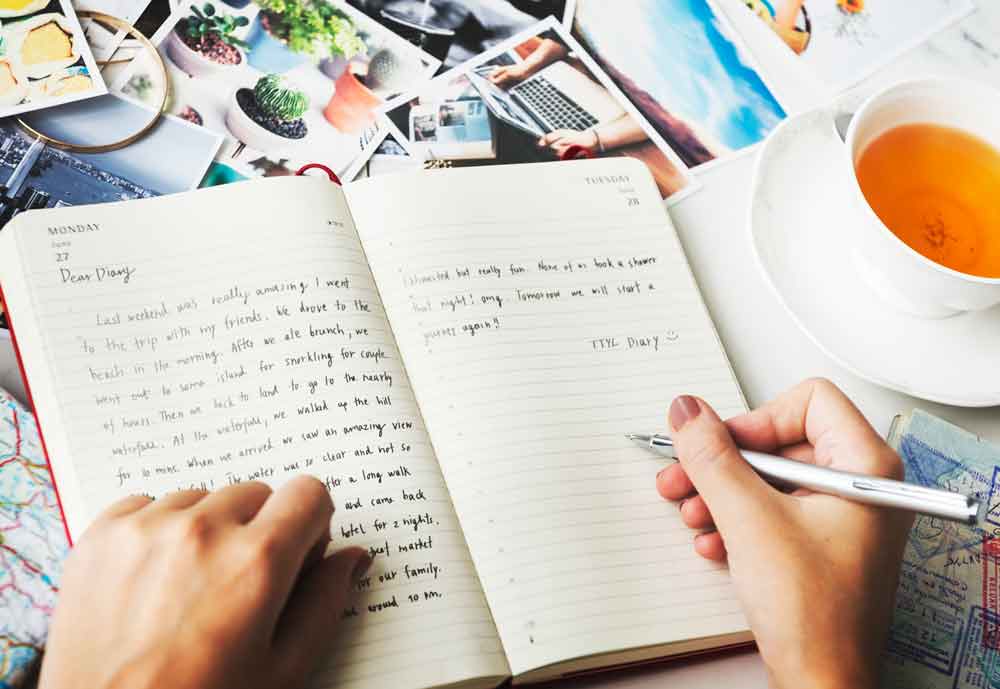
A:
(558, 97)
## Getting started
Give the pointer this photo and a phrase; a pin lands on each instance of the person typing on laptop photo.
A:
(598, 137)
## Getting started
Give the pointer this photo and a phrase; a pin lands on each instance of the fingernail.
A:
(680, 505)
(659, 474)
(361, 567)
(682, 410)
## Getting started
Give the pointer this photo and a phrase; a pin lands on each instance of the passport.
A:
(945, 632)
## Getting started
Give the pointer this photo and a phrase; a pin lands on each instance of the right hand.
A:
(816, 574)
(508, 77)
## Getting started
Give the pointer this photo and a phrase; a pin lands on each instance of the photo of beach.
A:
(686, 72)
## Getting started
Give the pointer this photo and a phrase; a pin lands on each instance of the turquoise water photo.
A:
(678, 64)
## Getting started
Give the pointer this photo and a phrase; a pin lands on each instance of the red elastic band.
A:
(576, 152)
(318, 166)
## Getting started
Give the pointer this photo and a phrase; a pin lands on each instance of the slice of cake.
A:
(13, 84)
(46, 43)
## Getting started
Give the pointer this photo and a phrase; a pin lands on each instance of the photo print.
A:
(45, 59)
(529, 100)
(685, 70)
(104, 40)
(845, 41)
(33, 175)
(288, 82)
(455, 31)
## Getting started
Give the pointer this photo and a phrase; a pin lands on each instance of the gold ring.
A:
(116, 23)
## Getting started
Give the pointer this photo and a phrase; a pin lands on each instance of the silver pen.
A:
(857, 487)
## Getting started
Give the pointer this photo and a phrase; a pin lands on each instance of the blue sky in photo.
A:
(680, 53)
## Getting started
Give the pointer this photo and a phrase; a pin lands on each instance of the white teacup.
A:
(901, 275)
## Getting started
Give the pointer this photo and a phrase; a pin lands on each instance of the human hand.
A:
(816, 574)
(508, 77)
(560, 140)
(201, 591)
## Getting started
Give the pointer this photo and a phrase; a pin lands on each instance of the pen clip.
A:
(908, 490)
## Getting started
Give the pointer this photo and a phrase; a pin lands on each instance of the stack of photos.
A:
(530, 99)
(45, 59)
(683, 67)
(844, 41)
(456, 31)
(288, 82)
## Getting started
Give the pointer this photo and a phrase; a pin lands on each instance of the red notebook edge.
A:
(34, 410)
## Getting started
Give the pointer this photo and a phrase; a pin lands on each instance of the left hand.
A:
(562, 139)
(201, 591)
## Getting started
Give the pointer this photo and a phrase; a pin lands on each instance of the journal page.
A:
(235, 334)
(544, 311)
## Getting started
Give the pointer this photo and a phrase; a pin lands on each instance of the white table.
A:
(767, 349)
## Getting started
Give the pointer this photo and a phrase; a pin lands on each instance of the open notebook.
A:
(456, 354)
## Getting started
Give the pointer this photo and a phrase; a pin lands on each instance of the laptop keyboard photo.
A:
(551, 105)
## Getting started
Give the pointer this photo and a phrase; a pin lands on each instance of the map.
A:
(32, 544)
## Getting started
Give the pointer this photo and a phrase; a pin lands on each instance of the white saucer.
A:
(799, 215)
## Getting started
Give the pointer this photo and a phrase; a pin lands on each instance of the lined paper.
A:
(538, 327)
(235, 335)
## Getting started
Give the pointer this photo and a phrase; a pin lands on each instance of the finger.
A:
(695, 513)
(818, 412)
(124, 507)
(307, 626)
(710, 459)
(178, 500)
(240, 503)
(672, 483)
(293, 519)
(710, 546)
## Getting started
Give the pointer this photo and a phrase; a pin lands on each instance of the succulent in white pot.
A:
(268, 117)
(205, 43)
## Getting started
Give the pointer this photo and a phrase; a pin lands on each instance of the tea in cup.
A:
(925, 166)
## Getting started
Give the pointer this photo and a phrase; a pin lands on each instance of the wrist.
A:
(834, 673)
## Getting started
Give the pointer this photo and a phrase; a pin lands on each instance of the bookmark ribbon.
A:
(576, 152)
(319, 166)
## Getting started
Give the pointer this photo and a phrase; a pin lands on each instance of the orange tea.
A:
(937, 189)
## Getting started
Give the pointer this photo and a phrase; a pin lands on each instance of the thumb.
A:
(307, 627)
(728, 485)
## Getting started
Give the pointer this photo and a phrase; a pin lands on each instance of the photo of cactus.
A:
(287, 82)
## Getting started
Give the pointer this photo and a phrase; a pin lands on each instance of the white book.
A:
(456, 354)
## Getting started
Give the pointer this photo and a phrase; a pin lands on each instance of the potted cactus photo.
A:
(205, 43)
(287, 32)
(268, 117)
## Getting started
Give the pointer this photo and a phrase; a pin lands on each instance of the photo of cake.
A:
(65, 82)
(19, 8)
(44, 44)
(13, 83)
(44, 57)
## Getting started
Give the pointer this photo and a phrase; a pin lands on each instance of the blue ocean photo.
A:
(676, 62)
